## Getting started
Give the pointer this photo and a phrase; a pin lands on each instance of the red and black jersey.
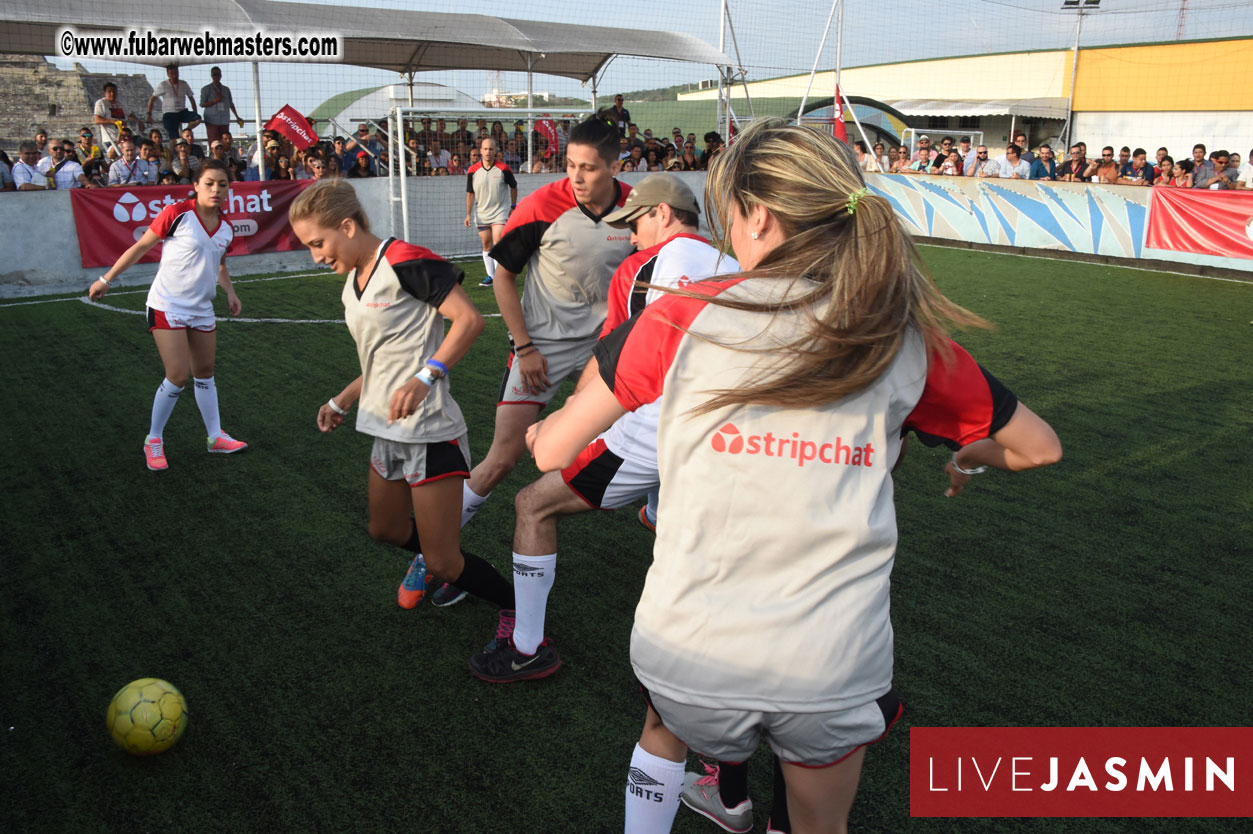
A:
(571, 254)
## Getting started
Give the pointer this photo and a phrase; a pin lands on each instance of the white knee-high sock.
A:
(162, 406)
(532, 580)
(650, 509)
(207, 401)
(489, 265)
(653, 788)
(470, 502)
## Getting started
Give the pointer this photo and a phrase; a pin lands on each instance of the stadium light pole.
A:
(1081, 7)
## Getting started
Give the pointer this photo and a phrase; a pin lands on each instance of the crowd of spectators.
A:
(1214, 170)
(115, 150)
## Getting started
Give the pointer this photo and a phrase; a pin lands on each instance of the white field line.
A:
(85, 300)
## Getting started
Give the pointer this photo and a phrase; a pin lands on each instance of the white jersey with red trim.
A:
(187, 279)
(675, 262)
(396, 323)
(771, 593)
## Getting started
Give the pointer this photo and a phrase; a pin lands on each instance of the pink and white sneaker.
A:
(224, 444)
(154, 454)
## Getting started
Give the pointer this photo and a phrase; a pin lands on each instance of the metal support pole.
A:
(723, 87)
(256, 106)
(530, 90)
(1068, 129)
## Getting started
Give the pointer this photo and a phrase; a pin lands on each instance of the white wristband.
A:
(335, 407)
(425, 375)
(978, 470)
(106, 281)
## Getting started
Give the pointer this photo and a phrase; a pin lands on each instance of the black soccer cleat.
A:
(500, 662)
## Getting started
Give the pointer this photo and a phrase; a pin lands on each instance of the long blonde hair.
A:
(869, 285)
(329, 203)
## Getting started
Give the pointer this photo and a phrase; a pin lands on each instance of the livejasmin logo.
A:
(130, 209)
(835, 451)
(1028, 773)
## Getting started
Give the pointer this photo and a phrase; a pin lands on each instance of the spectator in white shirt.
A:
(1011, 165)
(26, 174)
(1245, 178)
(438, 157)
(985, 167)
(61, 171)
(172, 92)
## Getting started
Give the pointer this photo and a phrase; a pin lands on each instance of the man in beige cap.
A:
(620, 467)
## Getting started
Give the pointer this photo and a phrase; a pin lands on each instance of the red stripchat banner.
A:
(110, 220)
(1081, 772)
(1201, 221)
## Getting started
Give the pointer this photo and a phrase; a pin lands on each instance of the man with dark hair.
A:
(174, 115)
(1073, 169)
(620, 467)
(969, 156)
(1105, 169)
(109, 114)
(1137, 171)
(633, 137)
(713, 147)
(559, 236)
(620, 115)
(1044, 167)
(1020, 139)
(1214, 175)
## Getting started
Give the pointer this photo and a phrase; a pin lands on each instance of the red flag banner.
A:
(110, 220)
(291, 123)
(837, 127)
(1201, 221)
(548, 129)
(1080, 772)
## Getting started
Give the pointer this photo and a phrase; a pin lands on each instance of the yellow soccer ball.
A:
(147, 717)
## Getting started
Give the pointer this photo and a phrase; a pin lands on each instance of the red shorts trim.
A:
(576, 475)
(435, 478)
(158, 321)
(900, 709)
(521, 402)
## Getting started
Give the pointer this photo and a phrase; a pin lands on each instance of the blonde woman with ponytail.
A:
(790, 387)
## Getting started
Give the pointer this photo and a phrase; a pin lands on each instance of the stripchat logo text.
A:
(834, 451)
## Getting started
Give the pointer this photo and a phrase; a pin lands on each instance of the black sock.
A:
(413, 545)
(733, 782)
(779, 819)
(485, 582)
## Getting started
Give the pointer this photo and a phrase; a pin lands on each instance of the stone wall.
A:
(34, 93)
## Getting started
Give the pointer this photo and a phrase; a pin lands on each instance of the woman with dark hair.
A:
(361, 168)
(688, 161)
(194, 239)
(791, 386)
(283, 171)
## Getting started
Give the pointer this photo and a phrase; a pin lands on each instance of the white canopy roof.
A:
(1045, 108)
(400, 41)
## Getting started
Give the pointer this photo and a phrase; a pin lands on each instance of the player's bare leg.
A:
(176, 361)
(538, 507)
(508, 446)
(819, 799)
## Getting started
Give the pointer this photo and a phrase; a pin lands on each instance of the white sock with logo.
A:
(653, 788)
(470, 502)
(532, 580)
(163, 406)
(207, 402)
(650, 509)
(489, 265)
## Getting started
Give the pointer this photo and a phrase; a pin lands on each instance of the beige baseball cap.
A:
(652, 191)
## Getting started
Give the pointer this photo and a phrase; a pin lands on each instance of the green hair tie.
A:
(854, 197)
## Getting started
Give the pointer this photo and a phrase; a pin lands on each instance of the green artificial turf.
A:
(1111, 589)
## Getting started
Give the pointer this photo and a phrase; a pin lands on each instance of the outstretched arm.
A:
(1025, 442)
